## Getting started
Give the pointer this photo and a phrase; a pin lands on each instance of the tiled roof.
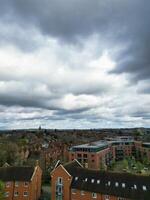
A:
(117, 184)
(16, 173)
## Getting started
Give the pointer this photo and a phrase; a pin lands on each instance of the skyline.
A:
(74, 64)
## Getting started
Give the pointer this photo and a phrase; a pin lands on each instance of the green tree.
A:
(139, 166)
(9, 153)
(1, 190)
(125, 164)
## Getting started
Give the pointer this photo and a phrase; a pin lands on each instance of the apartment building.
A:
(73, 182)
(100, 154)
(92, 155)
(21, 183)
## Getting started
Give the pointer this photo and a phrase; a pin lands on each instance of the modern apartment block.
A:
(21, 183)
(91, 155)
(73, 182)
(100, 154)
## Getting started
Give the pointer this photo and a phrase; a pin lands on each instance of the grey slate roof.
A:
(16, 173)
(118, 184)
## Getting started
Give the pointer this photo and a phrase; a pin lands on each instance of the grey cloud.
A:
(122, 23)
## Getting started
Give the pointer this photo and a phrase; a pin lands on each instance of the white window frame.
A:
(82, 192)
(73, 191)
(16, 184)
(16, 193)
(8, 184)
(60, 180)
(106, 197)
(94, 195)
(26, 184)
(6, 194)
(26, 195)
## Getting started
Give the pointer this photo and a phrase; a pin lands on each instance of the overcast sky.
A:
(74, 63)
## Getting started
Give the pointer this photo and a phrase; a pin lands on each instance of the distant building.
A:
(92, 155)
(73, 182)
(100, 154)
(21, 183)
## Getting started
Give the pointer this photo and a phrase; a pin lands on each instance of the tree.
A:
(1, 190)
(9, 153)
(125, 164)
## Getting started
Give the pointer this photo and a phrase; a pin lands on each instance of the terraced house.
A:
(21, 183)
(73, 182)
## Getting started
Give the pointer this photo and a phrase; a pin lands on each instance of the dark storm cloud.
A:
(19, 101)
(120, 23)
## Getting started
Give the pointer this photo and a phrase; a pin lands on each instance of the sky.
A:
(74, 64)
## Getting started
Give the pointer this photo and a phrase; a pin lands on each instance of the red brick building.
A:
(73, 182)
(100, 154)
(92, 155)
(21, 183)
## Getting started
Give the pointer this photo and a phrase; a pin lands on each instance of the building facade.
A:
(73, 182)
(21, 183)
(100, 154)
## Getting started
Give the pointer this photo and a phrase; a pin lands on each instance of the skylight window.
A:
(144, 188)
(108, 183)
(135, 187)
(92, 181)
(116, 184)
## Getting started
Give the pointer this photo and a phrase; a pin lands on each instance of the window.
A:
(135, 187)
(123, 185)
(108, 183)
(6, 194)
(8, 184)
(98, 181)
(59, 180)
(26, 184)
(79, 155)
(25, 194)
(86, 179)
(16, 183)
(73, 191)
(16, 193)
(116, 184)
(92, 181)
(106, 197)
(82, 192)
(144, 188)
(76, 178)
(85, 155)
(59, 189)
(94, 195)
